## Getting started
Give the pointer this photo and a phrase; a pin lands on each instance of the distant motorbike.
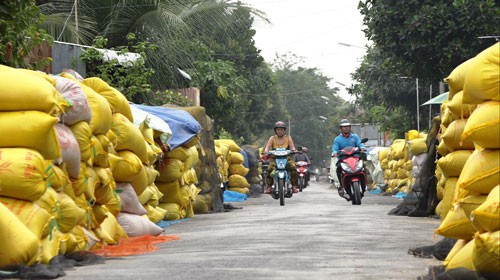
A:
(302, 170)
(282, 188)
(353, 174)
(263, 182)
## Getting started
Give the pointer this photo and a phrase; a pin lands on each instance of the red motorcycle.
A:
(353, 174)
(302, 170)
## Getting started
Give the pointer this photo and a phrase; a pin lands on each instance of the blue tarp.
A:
(245, 158)
(230, 196)
(184, 126)
(164, 224)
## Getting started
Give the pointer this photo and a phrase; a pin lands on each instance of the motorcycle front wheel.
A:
(281, 191)
(356, 193)
(302, 183)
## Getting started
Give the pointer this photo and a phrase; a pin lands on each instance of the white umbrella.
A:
(152, 121)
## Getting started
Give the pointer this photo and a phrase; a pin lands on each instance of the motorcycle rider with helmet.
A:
(281, 140)
(344, 139)
(301, 155)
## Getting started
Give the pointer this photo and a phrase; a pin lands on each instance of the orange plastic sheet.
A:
(134, 246)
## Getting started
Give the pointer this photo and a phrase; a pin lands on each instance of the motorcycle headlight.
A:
(359, 165)
(345, 167)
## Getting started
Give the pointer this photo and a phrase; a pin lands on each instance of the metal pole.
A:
(289, 127)
(76, 22)
(418, 109)
(430, 107)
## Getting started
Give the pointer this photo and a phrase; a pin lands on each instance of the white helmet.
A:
(345, 122)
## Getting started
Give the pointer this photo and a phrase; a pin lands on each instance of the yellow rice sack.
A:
(483, 126)
(481, 172)
(101, 110)
(236, 158)
(417, 146)
(463, 258)
(452, 137)
(140, 182)
(456, 225)
(454, 250)
(172, 193)
(19, 245)
(452, 164)
(125, 166)
(233, 147)
(487, 215)
(23, 173)
(238, 181)
(238, 169)
(83, 135)
(174, 211)
(458, 109)
(171, 170)
(70, 214)
(442, 149)
(30, 129)
(129, 137)
(22, 91)
(117, 101)
(486, 252)
(456, 78)
(30, 214)
(482, 80)
(448, 196)
(179, 153)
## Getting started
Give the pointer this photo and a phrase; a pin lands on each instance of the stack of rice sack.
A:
(474, 216)
(37, 154)
(417, 147)
(398, 168)
(223, 153)
(121, 155)
(254, 167)
(29, 109)
(177, 181)
(236, 169)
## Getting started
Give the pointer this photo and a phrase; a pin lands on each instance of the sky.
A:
(313, 30)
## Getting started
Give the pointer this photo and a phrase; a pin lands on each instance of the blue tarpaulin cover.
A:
(184, 126)
(245, 158)
(231, 196)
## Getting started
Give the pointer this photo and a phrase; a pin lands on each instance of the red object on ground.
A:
(134, 246)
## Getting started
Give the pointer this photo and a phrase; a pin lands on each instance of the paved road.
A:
(316, 235)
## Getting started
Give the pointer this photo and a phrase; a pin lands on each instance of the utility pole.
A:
(76, 22)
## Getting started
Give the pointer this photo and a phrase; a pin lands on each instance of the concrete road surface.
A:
(316, 235)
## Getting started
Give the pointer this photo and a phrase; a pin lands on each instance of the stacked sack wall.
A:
(236, 170)
(58, 192)
(209, 198)
(474, 212)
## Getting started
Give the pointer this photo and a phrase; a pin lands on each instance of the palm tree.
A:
(172, 25)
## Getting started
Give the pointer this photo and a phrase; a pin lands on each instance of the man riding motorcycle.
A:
(344, 139)
(281, 140)
(301, 155)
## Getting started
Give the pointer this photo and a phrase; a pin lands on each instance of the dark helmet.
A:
(299, 148)
(279, 124)
(345, 122)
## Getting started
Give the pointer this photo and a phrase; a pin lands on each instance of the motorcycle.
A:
(353, 174)
(302, 170)
(281, 188)
(263, 182)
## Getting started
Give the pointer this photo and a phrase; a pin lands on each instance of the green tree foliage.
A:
(20, 33)
(416, 39)
(301, 93)
(428, 38)
(129, 78)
